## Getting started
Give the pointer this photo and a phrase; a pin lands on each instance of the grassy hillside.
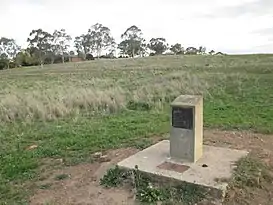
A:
(64, 109)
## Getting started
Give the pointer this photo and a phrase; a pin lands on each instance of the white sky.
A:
(234, 26)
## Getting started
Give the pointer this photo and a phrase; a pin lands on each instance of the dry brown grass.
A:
(102, 86)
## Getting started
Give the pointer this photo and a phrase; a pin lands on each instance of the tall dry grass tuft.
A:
(54, 103)
(55, 93)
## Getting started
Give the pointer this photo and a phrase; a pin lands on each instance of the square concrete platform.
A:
(216, 163)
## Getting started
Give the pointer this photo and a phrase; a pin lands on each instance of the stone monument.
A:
(183, 158)
(186, 134)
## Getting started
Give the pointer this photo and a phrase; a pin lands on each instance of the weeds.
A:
(45, 186)
(114, 177)
(249, 178)
(61, 177)
(148, 192)
(251, 172)
(138, 106)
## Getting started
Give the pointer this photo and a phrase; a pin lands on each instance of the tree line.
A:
(48, 48)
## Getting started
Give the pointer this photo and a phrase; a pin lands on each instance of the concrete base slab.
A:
(216, 163)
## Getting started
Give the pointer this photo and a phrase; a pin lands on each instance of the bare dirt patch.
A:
(80, 184)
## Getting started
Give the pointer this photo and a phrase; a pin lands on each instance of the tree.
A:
(124, 47)
(158, 45)
(211, 52)
(143, 48)
(100, 38)
(33, 52)
(89, 56)
(82, 45)
(8, 50)
(177, 49)
(24, 58)
(60, 42)
(40, 41)
(71, 53)
(112, 51)
(191, 51)
(132, 41)
(4, 61)
(202, 50)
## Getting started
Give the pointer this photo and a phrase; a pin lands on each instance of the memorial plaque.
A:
(173, 167)
(182, 118)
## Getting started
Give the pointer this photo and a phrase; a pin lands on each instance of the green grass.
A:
(250, 108)
(71, 111)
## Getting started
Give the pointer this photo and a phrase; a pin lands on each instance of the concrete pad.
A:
(219, 165)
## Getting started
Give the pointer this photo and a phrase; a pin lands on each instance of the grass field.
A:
(69, 111)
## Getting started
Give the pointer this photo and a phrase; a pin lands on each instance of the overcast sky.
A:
(234, 26)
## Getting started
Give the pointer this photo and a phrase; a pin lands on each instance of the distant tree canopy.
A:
(60, 43)
(8, 48)
(82, 45)
(158, 45)
(97, 38)
(40, 44)
(211, 52)
(45, 47)
(24, 58)
(8, 51)
(100, 38)
(132, 42)
(89, 56)
(202, 50)
(177, 49)
(191, 51)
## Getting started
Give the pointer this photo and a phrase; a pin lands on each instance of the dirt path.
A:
(82, 183)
